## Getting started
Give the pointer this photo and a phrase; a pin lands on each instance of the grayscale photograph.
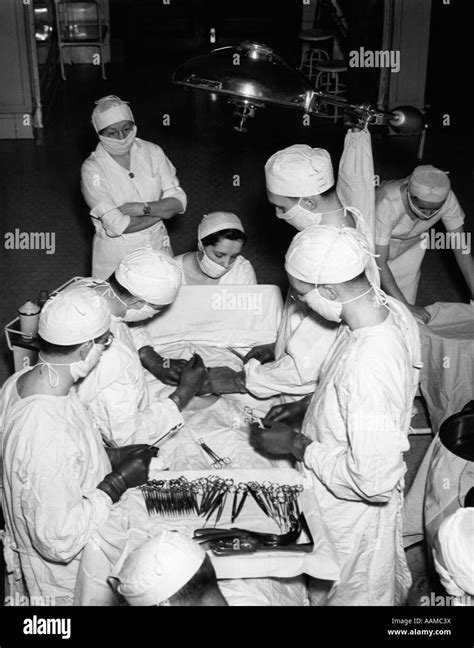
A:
(237, 287)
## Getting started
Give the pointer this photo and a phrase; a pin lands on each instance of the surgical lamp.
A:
(252, 75)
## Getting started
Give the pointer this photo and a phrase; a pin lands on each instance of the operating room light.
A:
(252, 75)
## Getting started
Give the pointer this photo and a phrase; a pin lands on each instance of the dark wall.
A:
(365, 29)
(149, 27)
(449, 81)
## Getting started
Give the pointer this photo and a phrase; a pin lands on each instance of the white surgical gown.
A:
(358, 419)
(117, 395)
(396, 228)
(106, 186)
(302, 345)
(240, 274)
(53, 461)
(303, 342)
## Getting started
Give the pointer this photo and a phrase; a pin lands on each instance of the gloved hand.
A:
(278, 439)
(165, 369)
(117, 455)
(191, 381)
(420, 313)
(263, 353)
(290, 413)
(223, 380)
(132, 471)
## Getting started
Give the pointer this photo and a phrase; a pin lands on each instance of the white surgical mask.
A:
(139, 314)
(119, 146)
(132, 314)
(330, 310)
(78, 369)
(300, 217)
(210, 267)
(417, 211)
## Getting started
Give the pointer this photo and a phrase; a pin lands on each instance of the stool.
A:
(310, 53)
(328, 81)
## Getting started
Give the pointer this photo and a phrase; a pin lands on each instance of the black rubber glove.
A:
(223, 380)
(290, 413)
(165, 369)
(263, 353)
(132, 471)
(191, 381)
(117, 455)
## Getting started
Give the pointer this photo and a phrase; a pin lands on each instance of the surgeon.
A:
(300, 183)
(218, 259)
(130, 186)
(453, 555)
(356, 424)
(116, 392)
(59, 484)
(406, 210)
(169, 569)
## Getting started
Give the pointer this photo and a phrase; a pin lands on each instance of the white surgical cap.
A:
(325, 254)
(429, 183)
(456, 550)
(110, 110)
(159, 568)
(217, 221)
(73, 316)
(299, 171)
(153, 276)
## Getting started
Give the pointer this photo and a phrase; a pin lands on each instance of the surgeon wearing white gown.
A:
(116, 391)
(130, 186)
(291, 366)
(355, 427)
(218, 259)
(406, 210)
(59, 483)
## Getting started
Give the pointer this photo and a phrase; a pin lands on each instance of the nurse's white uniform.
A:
(106, 186)
(394, 227)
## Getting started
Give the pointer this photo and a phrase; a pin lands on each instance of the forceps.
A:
(218, 462)
(169, 433)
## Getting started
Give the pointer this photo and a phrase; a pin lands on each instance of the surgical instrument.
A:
(218, 462)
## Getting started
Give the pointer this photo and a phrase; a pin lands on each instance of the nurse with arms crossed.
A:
(130, 186)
